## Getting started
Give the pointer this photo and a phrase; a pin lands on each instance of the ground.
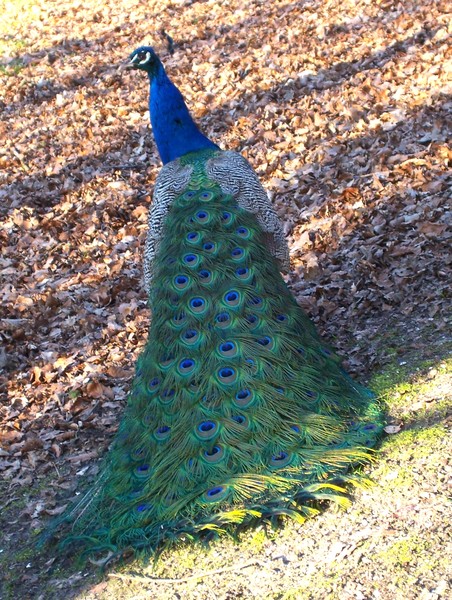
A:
(343, 109)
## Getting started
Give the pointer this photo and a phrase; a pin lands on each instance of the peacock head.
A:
(146, 59)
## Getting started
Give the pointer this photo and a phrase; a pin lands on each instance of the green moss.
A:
(255, 541)
(292, 594)
(420, 447)
(430, 384)
(413, 551)
(397, 378)
(25, 554)
(13, 68)
(419, 402)
(9, 44)
(399, 553)
(415, 443)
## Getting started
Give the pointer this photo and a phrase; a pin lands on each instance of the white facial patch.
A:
(145, 60)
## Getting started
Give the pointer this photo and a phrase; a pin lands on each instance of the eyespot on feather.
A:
(283, 459)
(205, 276)
(232, 298)
(153, 385)
(202, 216)
(237, 254)
(181, 282)
(142, 471)
(166, 397)
(215, 455)
(144, 507)
(281, 318)
(162, 433)
(241, 420)
(243, 273)
(243, 232)
(209, 247)
(223, 320)
(226, 218)
(186, 366)
(193, 386)
(190, 337)
(253, 321)
(198, 305)
(216, 494)
(179, 319)
(256, 302)
(193, 237)
(206, 196)
(148, 419)
(137, 454)
(227, 375)
(267, 342)
(166, 362)
(191, 260)
(228, 349)
(244, 398)
(207, 430)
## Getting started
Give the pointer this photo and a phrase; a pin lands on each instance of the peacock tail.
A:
(238, 411)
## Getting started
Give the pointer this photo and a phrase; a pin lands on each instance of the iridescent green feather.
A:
(238, 411)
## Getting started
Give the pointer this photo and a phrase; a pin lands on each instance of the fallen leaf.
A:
(94, 389)
(391, 429)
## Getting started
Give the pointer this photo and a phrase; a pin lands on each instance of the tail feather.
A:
(238, 411)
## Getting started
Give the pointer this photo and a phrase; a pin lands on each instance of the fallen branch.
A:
(190, 577)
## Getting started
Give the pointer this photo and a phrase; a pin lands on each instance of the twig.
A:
(131, 167)
(189, 578)
(382, 173)
(8, 502)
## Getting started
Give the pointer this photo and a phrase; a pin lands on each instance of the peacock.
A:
(238, 413)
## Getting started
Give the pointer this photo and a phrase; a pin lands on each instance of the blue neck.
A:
(174, 131)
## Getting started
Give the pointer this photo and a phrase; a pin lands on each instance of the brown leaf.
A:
(95, 389)
(119, 372)
(432, 228)
(83, 457)
(36, 374)
(63, 362)
(10, 436)
(23, 303)
(53, 512)
(32, 443)
(56, 449)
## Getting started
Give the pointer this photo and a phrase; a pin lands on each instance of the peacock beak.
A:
(127, 65)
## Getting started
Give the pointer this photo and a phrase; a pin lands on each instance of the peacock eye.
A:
(141, 56)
